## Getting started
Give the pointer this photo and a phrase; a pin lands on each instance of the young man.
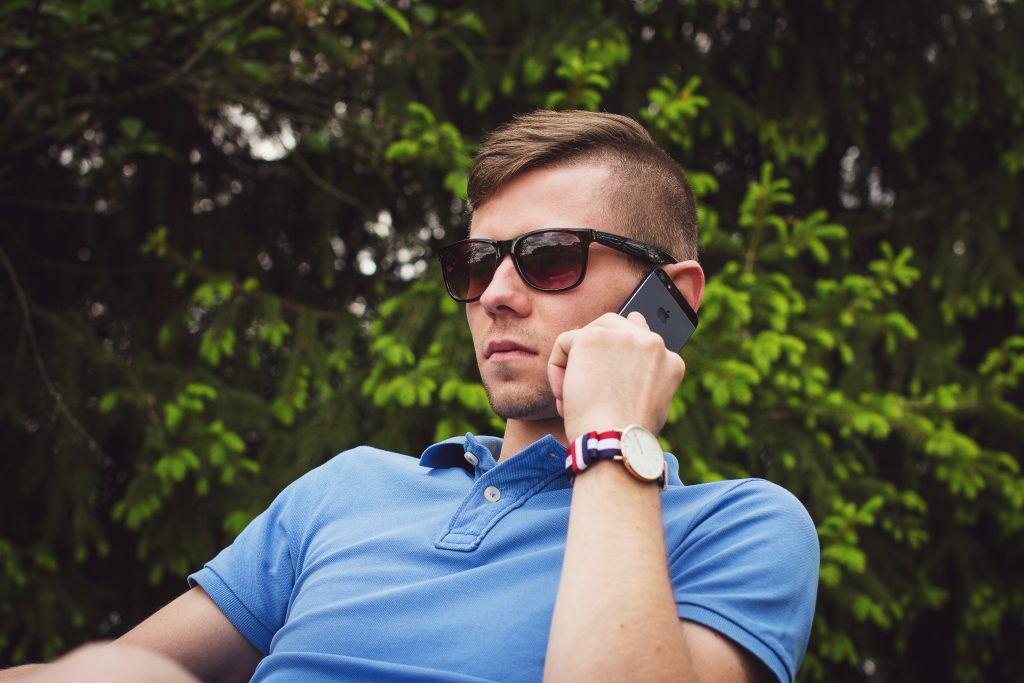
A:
(483, 560)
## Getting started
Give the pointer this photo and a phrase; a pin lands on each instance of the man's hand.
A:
(106, 663)
(612, 373)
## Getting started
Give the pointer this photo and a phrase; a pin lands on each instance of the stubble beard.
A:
(522, 403)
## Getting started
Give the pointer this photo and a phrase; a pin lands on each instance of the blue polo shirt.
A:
(380, 566)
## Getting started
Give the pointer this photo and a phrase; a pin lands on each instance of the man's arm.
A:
(615, 615)
(104, 663)
(741, 666)
(193, 631)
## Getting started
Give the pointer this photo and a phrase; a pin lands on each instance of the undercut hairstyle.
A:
(648, 197)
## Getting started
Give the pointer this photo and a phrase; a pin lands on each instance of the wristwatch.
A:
(634, 446)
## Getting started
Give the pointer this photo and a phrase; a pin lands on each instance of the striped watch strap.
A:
(587, 448)
(592, 446)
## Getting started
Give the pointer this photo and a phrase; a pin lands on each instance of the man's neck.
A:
(521, 433)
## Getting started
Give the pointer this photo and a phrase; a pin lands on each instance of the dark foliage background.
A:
(216, 230)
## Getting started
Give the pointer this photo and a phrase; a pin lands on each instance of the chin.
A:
(513, 403)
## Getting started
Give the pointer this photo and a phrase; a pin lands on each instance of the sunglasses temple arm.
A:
(633, 248)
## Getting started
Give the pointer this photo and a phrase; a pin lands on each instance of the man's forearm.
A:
(19, 672)
(615, 616)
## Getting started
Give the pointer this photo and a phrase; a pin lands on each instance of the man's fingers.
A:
(556, 378)
(637, 318)
(560, 351)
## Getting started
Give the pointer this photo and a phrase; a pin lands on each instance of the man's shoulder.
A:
(371, 456)
(741, 503)
(354, 465)
(731, 492)
(744, 557)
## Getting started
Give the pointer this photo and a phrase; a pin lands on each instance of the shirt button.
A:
(471, 459)
(492, 494)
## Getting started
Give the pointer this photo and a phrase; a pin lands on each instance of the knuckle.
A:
(652, 343)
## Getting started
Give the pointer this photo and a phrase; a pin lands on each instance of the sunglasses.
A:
(551, 260)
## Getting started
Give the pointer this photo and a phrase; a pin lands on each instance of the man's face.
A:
(513, 325)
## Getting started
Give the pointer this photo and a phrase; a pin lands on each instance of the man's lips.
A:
(504, 348)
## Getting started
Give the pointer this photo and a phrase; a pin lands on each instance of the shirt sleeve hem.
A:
(233, 608)
(739, 635)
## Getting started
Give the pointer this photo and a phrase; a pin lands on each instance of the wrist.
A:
(634, 447)
(603, 422)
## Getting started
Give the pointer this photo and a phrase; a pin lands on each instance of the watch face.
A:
(642, 453)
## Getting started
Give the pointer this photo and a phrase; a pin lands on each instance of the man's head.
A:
(568, 170)
(646, 194)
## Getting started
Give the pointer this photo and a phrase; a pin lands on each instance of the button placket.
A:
(500, 488)
(487, 501)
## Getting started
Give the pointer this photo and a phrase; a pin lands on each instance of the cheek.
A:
(481, 326)
(571, 314)
(591, 304)
(473, 319)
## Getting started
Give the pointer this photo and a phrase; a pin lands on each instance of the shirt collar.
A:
(537, 457)
(452, 452)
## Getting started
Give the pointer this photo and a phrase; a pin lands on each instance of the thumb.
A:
(556, 378)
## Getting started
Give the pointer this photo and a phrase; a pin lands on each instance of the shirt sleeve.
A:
(747, 567)
(251, 580)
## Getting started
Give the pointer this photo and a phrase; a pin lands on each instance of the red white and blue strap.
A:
(587, 448)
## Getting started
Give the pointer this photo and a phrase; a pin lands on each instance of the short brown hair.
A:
(650, 197)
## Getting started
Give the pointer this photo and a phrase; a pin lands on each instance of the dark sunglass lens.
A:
(468, 268)
(552, 260)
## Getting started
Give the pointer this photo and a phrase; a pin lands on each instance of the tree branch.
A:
(187, 65)
(327, 187)
(170, 79)
(123, 365)
(59, 404)
(186, 264)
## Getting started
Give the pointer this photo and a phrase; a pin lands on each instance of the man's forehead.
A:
(561, 196)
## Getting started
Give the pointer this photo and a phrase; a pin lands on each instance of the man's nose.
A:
(506, 292)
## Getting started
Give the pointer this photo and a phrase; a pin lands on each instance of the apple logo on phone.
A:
(658, 299)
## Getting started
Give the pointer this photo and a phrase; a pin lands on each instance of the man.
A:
(484, 560)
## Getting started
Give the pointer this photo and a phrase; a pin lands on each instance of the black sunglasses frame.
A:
(634, 248)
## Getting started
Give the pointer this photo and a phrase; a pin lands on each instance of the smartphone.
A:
(664, 309)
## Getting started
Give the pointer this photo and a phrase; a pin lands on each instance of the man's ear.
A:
(688, 277)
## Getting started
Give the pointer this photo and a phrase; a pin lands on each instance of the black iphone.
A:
(664, 309)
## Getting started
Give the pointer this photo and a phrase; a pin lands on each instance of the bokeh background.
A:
(217, 226)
